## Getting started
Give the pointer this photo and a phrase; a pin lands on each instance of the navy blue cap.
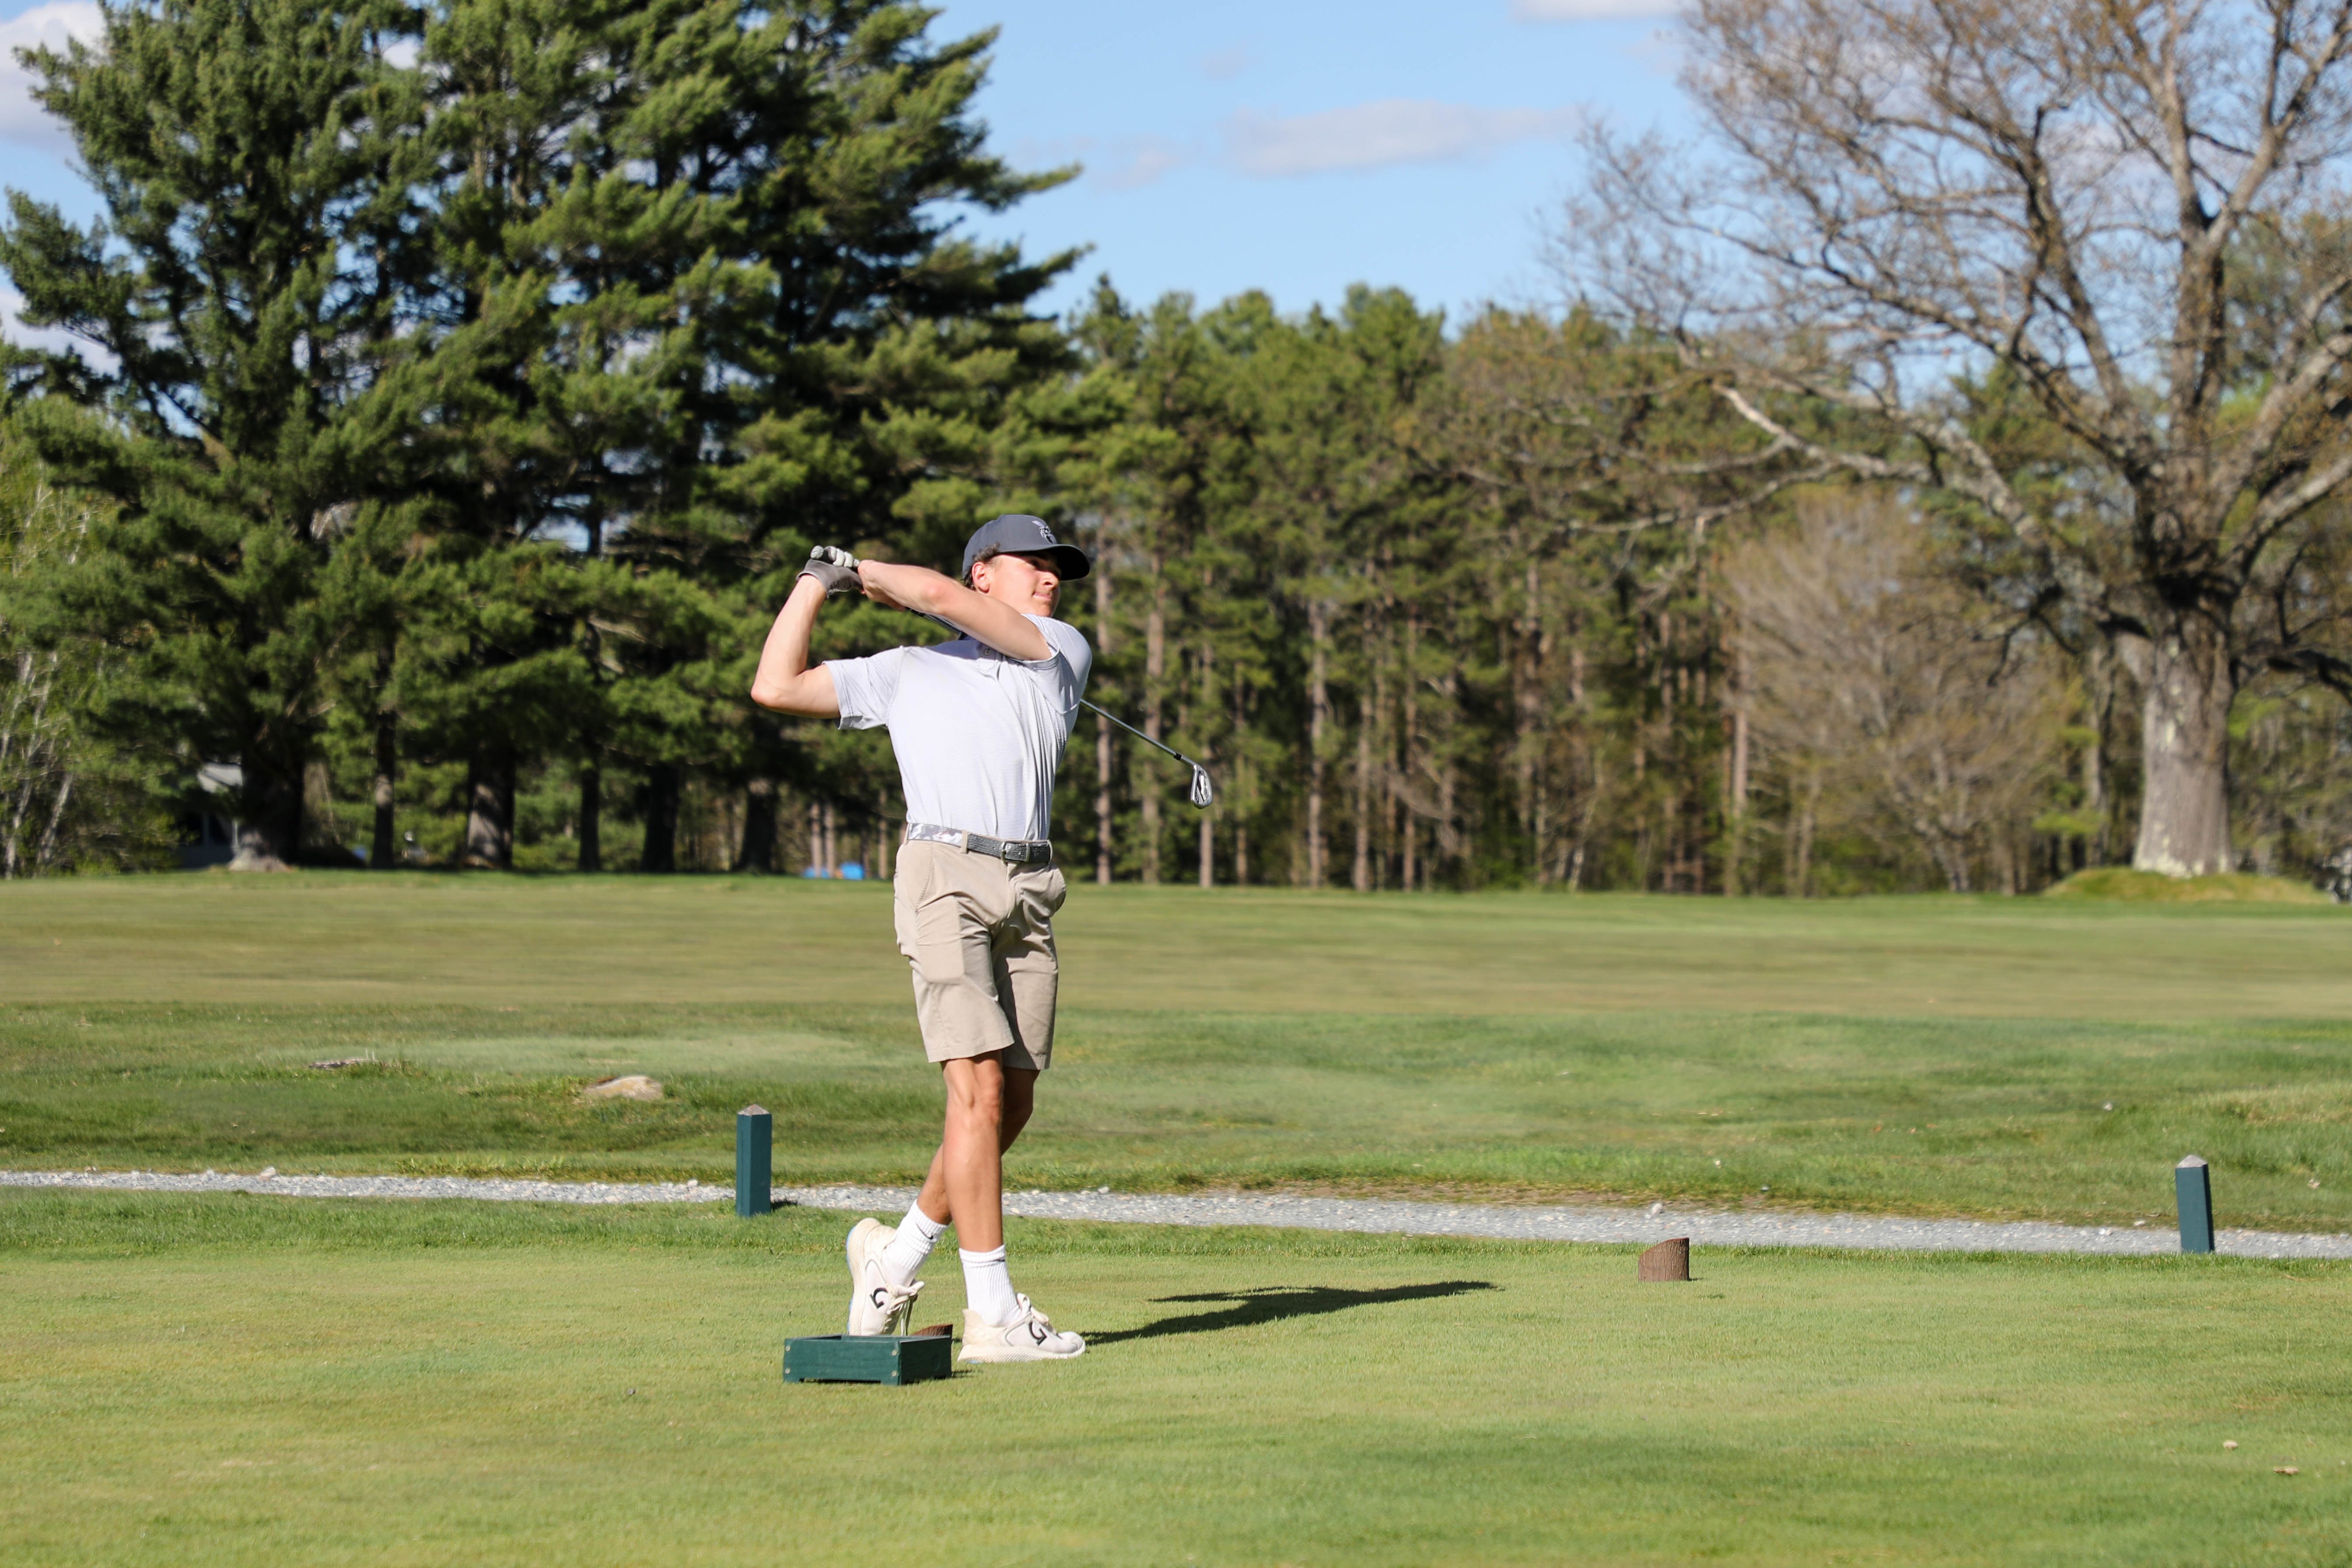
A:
(1017, 533)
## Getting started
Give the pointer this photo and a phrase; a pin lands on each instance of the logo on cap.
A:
(1048, 533)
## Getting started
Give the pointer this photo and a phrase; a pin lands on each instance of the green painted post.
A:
(2194, 1182)
(755, 1133)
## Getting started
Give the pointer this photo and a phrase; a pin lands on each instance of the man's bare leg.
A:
(988, 1106)
(926, 1222)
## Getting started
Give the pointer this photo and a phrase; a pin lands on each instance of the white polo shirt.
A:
(978, 734)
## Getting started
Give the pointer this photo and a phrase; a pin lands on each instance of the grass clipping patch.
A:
(2121, 884)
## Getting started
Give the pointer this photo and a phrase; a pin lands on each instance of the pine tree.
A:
(253, 159)
(553, 349)
(857, 384)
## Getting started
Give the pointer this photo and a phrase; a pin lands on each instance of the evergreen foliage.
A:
(465, 383)
(248, 155)
(68, 801)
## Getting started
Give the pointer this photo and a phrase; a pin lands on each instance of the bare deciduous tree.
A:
(2004, 253)
(37, 682)
(1867, 682)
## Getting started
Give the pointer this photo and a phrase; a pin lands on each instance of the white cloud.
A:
(1139, 161)
(21, 119)
(1590, 10)
(1117, 163)
(1380, 135)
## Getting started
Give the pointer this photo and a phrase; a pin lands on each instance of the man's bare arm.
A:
(991, 621)
(785, 682)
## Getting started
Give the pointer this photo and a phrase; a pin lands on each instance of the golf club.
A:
(1203, 792)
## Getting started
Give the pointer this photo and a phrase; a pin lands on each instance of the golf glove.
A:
(834, 570)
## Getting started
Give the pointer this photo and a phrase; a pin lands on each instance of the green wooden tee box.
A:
(868, 1358)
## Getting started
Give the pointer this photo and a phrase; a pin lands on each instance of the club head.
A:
(1205, 794)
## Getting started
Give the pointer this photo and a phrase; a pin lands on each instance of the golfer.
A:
(979, 724)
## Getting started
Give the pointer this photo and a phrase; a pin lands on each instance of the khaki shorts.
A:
(979, 935)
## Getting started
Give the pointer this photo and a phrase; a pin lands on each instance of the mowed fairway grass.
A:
(1994, 1058)
(238, 1380)
(271, 1382)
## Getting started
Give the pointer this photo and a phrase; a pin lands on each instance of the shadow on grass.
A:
(1271, 1303)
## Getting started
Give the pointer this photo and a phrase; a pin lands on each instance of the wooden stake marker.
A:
(2192, 1183)
(1669, 1261)
(755, 1171)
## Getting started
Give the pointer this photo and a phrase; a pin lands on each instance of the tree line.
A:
(462, 387)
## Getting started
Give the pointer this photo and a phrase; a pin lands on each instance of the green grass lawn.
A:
(1912, 1055)
(216, 1380)
(247, 1380)
(321, 937)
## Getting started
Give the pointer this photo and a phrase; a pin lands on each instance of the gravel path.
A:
(1707, 1227)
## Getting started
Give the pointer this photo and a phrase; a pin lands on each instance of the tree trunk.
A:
(592, 763)
(1155, 664)
(270, 827)
(1951, 856)
(1527, 716)
(1663, 676)
(2100, 678)
(1402, 829)
(758, 850)
(1102, 730)
(1734, 867)
(1453, 847)
(1800, 853)
(592, 814)
(35, 759)
(1578, 849)
(661, 819)
(1237, 784)
(1411, 875)
(1583, 768)
(2187, 686)
(489, 806)
(383, 844)
(1396, 856)
(1319, 718)
(1451, 850)
(318, 807)
(1367, 699)
(45, 854)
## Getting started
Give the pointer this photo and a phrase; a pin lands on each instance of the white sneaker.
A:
(876, 1306)
(1029, 1337)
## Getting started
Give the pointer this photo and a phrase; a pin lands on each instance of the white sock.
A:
(988, 1287)
(916, 1235)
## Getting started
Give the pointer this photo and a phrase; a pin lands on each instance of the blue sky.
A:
(1297, 147)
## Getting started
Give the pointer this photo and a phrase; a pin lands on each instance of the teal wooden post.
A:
(2192, 1179)
(755, 1133)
